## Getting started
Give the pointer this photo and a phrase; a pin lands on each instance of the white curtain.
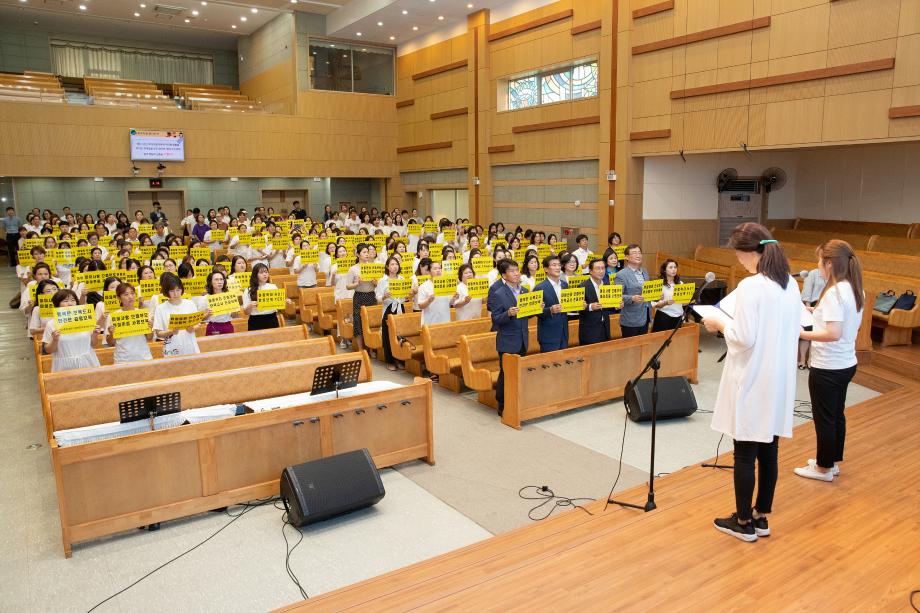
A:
(80, 59)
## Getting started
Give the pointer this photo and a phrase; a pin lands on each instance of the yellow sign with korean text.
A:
(203, 270)
(683, 292)
(421, 279)
(620, 250)
(431, 227)
(611, 296)
(651, 290)
(75, 319)
(399, 288)
(145, 228)
(200, 253)
(94, 279)
(82, 252)
(450, 235)
(111, 300)
(45, 306)
(147, 251)
(242, 278)
(481, 265)
(224, 303)
(194, 286)
(149, 288)
(62, 256)
(405, 266)
(543, 250)
(234, 287)
(576, 280)
(478, 287)
(539, 276)
(245, 239)
(342, 265)
(177, 252)
(269, 299)
(281, 242)
(560, 246)
(573, 299)
(371, 271)
(530, 303)
(445, 286)
(130, 323)
(308, 256)
(218, 236)
(181, 321)
(28, 243)
(414, 229)
(25, 257)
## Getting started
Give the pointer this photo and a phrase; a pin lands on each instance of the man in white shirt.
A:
(582, 252)
(188, 222)
(353, 223)
(159, 233)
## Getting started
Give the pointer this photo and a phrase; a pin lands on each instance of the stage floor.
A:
(853, 544)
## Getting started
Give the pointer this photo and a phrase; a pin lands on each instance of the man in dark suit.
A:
(594, 321)
(552, 324)
(511, 331)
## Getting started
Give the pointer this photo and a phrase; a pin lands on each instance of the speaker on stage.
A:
(331, 486)
(675, 399)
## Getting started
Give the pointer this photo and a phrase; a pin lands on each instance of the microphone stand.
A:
(654, 364)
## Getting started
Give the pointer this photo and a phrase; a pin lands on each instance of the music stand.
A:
(149, 407)
(335, 377)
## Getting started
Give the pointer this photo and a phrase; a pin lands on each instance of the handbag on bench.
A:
(905, 301)
(884, 302)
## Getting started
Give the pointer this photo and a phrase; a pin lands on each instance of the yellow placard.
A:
(181, 321)
(145, 228)
(269, 299)
(200, 253)
(683, 292)
(539, 276)
(157, 266)
(28, 243)
(478, 287)
(234, 287)
(281, 242)
(203, 270)
(149, 288)
(450, 235)
(611, 296)
(177, 252)
(449, 266)
(308, 256)
(45, 306)
(343, 264)
(421, 279)
(399, 288)
(651, 290)
(576, 280)
(572, 299)
(111, 300)
(130, 323)
(371, 271)
(414, 229)
(224, 303)
(543, 250)
(194, 286)
(233, 231)
(63, 256)
(445, 286)
(241, 277)
(257, 227)
(25, 257)
(530, 303)
(75, 319)
(284, 226)
(560, 246)
(218, 236)
(245, 239)
(435, 249)
(431, 227)
(147, 251)
(94, 279)
(481, 265)
(620, 250)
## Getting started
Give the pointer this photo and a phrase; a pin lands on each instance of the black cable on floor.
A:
(248, 507)
(288, 551)
(622, 447)
(547, 495)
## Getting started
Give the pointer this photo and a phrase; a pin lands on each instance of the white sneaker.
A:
(811, 472)
(836, 470)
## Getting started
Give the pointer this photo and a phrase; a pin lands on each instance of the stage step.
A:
(880, 379)
(899, 361)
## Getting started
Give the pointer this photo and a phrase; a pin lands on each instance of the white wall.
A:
(675, 189)
(864, 183)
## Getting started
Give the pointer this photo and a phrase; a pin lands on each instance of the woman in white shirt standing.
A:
(128, 348)
(390, 304)
(466, 306)
(175, 342)
(668, 314)
(833, 354)
(435, 309)
(757, 391)
(259, 319)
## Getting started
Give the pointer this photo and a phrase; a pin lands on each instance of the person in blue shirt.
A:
(11, 224)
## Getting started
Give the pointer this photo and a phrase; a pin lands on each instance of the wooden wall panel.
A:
(677, 237)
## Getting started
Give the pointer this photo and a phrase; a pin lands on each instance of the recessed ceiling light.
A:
(357, 34)
(405, 12)
(379, 23)
(143, 6)
(253, 10)
(82, 7)
(469, 5)
(440, 17)
(188, 21)
(293, 1)
(242, 18)
(392, 38)
(203, 3)
(233, 26)
(195, 13)
(414, 28)
(137, 14)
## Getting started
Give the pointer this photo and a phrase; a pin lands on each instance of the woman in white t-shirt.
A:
(36, 321)
(668, 314)
(68, 351)
(216, 324)
(466, 306)
(833, 354)
(306, 273)
(128, 348)
(435, 309)
(259, 318)
(175, 342)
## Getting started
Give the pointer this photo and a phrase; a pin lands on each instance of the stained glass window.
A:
(522, 93)
(576, 82)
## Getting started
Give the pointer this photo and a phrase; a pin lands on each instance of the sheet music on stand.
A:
(149, 407)
(335, 377)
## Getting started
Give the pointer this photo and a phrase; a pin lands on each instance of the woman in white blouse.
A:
(833, 354)
(668, 314)
(259, 318)
(466, 306)
(435, 309)
(68, 351)
(176, 342)
(128, 348)
(757, 391)
(391, 305)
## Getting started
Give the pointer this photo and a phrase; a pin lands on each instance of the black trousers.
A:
(12, 244)
(828, 390)
(663, 321)
(500, 384)
(262, 322)
(628, 331)
(746, 453)
(385, 333)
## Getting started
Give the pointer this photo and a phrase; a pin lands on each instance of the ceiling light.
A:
(357, 34)
(469, 5)
(440, 17)
(392, 38)
(293, 1)
(195, 13)
(243, 18)
(137, 14)
(188, 21)
(405, 12)
(233, 26)
(82, 7)
(203, 3)
(253, 10)
(379, 23)
(143, 6)
(414, 28)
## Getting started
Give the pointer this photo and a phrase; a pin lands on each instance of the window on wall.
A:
(341, 67)
(570, 83)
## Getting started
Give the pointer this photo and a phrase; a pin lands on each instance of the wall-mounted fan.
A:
(773, 179)
(725, 177)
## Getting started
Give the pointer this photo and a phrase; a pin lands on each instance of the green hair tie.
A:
(768, 240)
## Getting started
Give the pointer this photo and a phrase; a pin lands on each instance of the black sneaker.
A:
(730, 525)
(761, 528)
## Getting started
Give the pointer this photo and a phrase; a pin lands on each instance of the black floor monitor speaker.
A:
(317, 490)
(675, 399)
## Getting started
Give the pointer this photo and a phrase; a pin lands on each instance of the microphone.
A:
(709, 278)
(803, 274)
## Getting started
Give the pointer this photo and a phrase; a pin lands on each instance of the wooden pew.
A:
(309, 303)
(581, 376)
(406, 339)
(110, 486)
(372, 329)
(871, 261)
(343, 318)
(441, 348)
(809, 237)
(206, 344)
(887, 244)
(853, 227)
(325, 316)
(898, 325)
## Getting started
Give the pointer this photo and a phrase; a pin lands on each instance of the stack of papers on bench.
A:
(293, 400)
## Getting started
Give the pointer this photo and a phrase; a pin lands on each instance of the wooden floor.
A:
(852, 545)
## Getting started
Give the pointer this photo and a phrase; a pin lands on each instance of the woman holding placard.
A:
(37, 323)
(217, 324)
(109, 285)
(363, 290)
(392, 305)
(179, 341)
(435, 309)
(668, 314)
(306, 273)
(68, 351)
(466, 306)
(529, 273)
(132, 348)
(259, 318)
